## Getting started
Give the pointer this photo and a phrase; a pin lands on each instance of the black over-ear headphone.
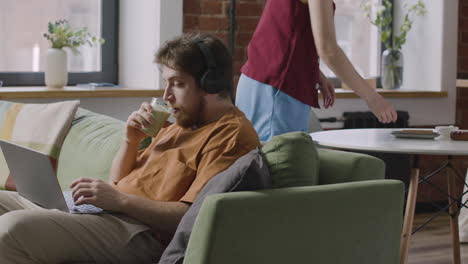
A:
(212, 80)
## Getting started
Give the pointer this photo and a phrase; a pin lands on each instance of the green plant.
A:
(62, 35)
(383, 17)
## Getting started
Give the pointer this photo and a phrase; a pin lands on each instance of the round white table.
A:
(381, 140)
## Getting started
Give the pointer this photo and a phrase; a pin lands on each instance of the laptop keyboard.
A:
(80, 209)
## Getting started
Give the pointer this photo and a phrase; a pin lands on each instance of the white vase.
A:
(56, 74)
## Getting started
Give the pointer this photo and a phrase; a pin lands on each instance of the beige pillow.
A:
(41, 127)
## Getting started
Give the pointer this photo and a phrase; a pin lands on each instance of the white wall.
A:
(170, 24)
(144, 26)
(137, 43)
(2, 29)
(430, 60)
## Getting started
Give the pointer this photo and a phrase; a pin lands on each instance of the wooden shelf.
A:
(344, 93)
(75, 92)
(13, 92)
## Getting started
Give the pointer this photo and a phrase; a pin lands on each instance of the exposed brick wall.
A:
(461, 116)
(212, 16)
(463, 39)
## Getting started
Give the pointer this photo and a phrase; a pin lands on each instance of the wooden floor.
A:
(432, 245)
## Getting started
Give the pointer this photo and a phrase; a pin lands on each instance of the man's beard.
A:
(189, 118)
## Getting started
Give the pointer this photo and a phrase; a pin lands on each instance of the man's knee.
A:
(35, 235)
(15, 226)
(26, 229)
(8, 202)
(30, 235)
(15, 236)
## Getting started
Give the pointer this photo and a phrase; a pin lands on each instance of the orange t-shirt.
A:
(180, 161)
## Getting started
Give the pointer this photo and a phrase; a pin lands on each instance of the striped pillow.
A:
(41, 127)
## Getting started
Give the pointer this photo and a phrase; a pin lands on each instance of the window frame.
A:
(109, 56)
(337, 83)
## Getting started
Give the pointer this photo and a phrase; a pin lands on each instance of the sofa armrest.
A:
(342, 166)
(357, 222)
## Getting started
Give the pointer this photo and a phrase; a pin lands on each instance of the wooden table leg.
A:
(409, 215)
(453, 209)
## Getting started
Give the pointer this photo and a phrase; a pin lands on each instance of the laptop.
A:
(36, 181)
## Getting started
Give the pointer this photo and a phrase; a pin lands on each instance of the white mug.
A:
(444, 131)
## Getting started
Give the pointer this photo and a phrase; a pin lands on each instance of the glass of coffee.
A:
(160, 114)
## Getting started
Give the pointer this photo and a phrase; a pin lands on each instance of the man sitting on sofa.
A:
(149, 190)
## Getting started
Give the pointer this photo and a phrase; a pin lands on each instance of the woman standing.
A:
(280, 80)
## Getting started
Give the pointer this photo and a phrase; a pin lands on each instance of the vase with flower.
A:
(61, 35)
(391, 69)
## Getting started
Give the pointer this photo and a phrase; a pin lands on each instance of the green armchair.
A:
(353, 215)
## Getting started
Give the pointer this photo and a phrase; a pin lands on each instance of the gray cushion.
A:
(292, 159)
(248, 173)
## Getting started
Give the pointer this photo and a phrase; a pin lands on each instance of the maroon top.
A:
(282, 51)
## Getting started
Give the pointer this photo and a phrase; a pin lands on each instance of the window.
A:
(358, 38)
(23, 48)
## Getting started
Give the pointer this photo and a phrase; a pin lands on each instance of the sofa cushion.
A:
(292, 159)
(41, 127)
(248, 173)
(89, 147)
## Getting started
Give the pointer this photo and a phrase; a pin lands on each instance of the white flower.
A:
(405, 27)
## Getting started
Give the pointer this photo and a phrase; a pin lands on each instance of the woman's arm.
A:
(323, 28)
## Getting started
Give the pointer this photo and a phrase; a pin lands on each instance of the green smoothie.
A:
(160, 115)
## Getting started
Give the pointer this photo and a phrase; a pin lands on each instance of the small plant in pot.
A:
(61, 35)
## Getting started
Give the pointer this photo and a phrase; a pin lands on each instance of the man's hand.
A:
(97, 193)
(161, 216)
(125, 159)
(138, 119)
(327, 90)
(382, 109)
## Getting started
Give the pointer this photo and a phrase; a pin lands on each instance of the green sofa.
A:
(351, 216)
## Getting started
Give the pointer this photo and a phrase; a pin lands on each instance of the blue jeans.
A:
(271, 111)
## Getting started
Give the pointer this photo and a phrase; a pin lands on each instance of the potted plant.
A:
(62, 35)
(392, 58)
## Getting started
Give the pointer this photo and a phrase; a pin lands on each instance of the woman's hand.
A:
(381, 108)
(97, 193)
(327, 90)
